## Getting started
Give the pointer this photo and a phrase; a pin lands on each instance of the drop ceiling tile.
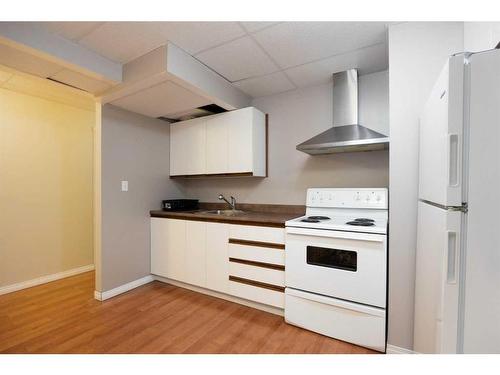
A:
(70, 30)
(266, 85)
(123, 41)
(295, 43)
(237, 60)
(367, 60)
(194, 37)
(253, 26)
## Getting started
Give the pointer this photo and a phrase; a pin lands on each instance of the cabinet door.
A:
(196, 253)
(176, 249)
(216, 128)
(217, 257)
(188, 147)
(168, 248)
(240, 140)
(159, 246)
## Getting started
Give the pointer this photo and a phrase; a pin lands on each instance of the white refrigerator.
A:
(457, 290)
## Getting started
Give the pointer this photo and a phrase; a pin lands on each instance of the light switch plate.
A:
(124, 185)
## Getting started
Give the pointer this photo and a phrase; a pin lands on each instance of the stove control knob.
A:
(379, 198)
(367, 198)
(356, 197)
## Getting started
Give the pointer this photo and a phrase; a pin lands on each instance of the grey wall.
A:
(417, 53)
(294, 117)
(134, 148)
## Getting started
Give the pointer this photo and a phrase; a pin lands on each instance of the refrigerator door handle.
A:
(452, 257)
(453, 160)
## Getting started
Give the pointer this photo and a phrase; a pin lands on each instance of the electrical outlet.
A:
(124, 185)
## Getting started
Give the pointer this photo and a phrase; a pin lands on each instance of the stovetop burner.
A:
(309, 220)
(361, 223)
(364, 220)
(318, 217)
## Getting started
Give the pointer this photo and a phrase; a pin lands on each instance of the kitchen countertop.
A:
(254, 214)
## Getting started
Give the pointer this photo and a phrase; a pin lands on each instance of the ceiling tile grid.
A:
(274, 83)
(240, 59)
(260, 58)
(296, 43)
(367, 60)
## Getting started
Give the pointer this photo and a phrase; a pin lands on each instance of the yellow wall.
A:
(46, 156)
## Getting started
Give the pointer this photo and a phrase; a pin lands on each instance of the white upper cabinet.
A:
(188, 147)
(217, 133)
(234, 144)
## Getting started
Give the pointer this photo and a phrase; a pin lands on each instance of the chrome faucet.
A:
(232, 203)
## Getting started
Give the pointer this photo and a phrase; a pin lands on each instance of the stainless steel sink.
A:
(224, 212)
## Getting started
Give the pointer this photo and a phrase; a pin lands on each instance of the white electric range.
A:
(336, 265)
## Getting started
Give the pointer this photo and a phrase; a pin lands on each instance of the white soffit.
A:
(81, 81)
(151, 82)
(27, 62)
(163, 99)
(295, 43)
(40, 42)
(242, 58)
(367, 60)
(70, 30)
(14, 80)
(274, 83)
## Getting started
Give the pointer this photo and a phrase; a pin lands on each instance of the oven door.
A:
(345, 265)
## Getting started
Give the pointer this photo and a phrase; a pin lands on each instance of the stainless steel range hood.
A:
(346, 135)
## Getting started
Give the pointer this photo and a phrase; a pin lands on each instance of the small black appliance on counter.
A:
(179, 204)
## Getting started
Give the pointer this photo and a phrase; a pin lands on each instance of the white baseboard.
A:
(102, 296)
(241, 301)
(392, 349)
(45, 279)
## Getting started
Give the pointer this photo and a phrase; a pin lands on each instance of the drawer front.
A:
(257, 294)
(358, 324)
(260, 234)
(257, 253)
(257, 273)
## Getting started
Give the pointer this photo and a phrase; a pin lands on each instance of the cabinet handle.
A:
(271, 245)
(254, 263)
(258, 284)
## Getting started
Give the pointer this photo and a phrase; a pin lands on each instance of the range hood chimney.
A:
(346, 135)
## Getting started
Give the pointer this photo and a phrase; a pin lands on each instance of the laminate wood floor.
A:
(63, 317)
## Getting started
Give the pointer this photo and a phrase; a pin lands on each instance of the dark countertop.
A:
(254, 214)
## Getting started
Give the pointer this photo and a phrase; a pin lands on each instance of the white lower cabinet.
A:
(196, 253)
(200, 253)
(168, 248)
(257, 294)
(217, 258)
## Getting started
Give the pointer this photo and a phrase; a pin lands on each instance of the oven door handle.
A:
(337, 234)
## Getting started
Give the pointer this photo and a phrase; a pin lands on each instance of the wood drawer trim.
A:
(258, 284)
(270, 245)
(234, 174)
(271, 266)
